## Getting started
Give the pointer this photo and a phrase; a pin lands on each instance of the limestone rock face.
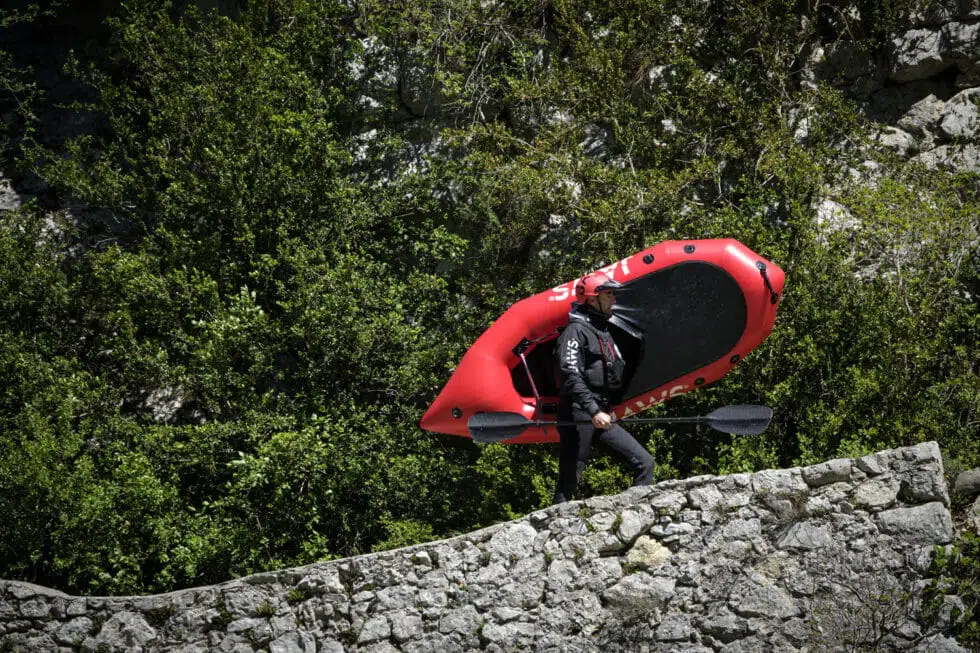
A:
(922, 116)
(918, 55)
(923, 92)
(785, 560)
(10, 199)
(965, 158)
(961, 115)
(124, 631)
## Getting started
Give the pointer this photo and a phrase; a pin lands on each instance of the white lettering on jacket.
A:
(571, 353)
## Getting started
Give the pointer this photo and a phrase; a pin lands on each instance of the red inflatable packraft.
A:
(687, 313)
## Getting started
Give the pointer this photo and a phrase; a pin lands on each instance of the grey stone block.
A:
(927, 524)
(832, 471)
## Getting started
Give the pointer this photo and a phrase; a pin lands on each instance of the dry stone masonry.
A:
(801, 559)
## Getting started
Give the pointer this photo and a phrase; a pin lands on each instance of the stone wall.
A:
(780, 560)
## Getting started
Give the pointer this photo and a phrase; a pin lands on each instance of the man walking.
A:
(591, 371)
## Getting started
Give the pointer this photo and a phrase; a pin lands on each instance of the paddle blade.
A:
(496, 427)
(740, 420)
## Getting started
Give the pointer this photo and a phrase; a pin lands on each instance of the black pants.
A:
(576, 443)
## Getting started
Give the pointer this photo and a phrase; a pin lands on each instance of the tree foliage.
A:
(315, 207)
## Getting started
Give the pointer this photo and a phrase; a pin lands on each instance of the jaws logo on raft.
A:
(639, 405)
(567, 290)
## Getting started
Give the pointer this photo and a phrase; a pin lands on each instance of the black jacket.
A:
(589, 362)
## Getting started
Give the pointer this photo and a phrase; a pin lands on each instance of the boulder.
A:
(9, 198)
(902, 143)
(961, 115)
(974, 516)
(967, 483)
(917, 54)
(922, 117)
(957, 158)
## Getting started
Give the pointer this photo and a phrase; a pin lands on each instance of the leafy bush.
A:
(956, 572)
(318, 208)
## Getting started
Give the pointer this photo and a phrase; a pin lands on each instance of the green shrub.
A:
(231, 378)
(957, 573)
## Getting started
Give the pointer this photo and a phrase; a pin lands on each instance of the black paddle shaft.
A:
(738, 420)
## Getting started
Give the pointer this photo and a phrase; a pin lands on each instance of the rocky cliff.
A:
(922, 87)
(813, 558)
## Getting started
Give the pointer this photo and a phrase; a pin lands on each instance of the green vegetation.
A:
(305, 248)
(223, 616)
(957, 571)
(265, 610)
(298, 594)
